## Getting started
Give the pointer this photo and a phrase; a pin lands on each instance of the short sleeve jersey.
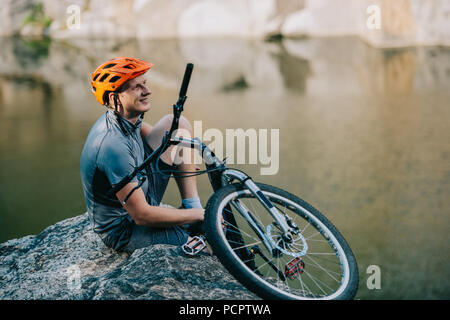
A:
(113, 149)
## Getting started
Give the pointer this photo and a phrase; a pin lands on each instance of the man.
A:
(120, 141)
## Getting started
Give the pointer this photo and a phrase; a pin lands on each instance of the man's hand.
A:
(199, 213)
(196, 228)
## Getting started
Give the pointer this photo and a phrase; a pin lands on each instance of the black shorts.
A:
(157, 183)
(143, 236)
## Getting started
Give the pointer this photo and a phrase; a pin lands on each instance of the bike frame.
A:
(219, 174)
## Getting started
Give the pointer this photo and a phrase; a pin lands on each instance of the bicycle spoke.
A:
(330, 271)
(267, 262)
(238, 231)
(296, 247)
(318, 240)
(278, 267)
(323, 283)
(268, 272)
(325, 253)
(257, 216)
(235, 242)
(325, 259)
(303, 231)
(304, 284)
(232, 213)
(326, 271)
(313, 235)
(247, 245)
(312, 278)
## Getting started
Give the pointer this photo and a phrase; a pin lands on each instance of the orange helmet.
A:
(110, 75)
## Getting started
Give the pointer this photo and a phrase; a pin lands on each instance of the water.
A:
(363, 136)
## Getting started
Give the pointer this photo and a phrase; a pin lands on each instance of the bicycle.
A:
(260, 233)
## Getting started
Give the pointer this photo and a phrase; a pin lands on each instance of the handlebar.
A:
(186, 79)
(178, 107)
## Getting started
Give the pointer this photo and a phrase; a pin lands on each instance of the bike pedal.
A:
(294, 268)
(194, 246)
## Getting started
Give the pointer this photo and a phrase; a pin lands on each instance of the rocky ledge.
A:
(69, 261)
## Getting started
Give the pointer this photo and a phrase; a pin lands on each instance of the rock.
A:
(400, 23)
(32, 30)
(69, 261)
(12, 15)
(231, 18)
(325, 18)
(157, 19)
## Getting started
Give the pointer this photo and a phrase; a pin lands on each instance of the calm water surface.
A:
(363, 136)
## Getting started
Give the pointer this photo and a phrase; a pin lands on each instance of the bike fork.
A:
(286, 226)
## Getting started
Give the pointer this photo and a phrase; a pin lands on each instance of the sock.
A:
(190, 203)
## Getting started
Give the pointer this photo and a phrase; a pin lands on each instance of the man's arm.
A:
(116, 159)
(154, 216)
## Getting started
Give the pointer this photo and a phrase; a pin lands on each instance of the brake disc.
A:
(289, 248)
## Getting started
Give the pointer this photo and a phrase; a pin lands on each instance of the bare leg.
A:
(187, 186)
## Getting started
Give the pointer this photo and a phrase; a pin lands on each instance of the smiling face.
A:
(135, 98)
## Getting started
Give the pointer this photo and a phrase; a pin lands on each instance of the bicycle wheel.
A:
(317, 264)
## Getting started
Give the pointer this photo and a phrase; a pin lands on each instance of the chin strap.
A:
(119, 119)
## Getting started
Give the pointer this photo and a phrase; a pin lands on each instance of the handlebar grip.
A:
(187, 77)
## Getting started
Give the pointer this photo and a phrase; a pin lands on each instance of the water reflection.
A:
(295, 70)
(238, 84)
(363, 135)
(31, 52)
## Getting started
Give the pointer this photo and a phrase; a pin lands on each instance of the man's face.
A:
(135, 99)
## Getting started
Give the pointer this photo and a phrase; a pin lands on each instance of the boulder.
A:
(69, 261)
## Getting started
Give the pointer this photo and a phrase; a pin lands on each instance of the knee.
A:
(183, 123)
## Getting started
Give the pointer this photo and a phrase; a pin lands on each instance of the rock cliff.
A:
(382, 23)
(69, 261)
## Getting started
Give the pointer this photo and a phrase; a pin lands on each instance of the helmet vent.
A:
(109, 65)
(96, 76)
(114, 79)
(106, 75)
(129, 66)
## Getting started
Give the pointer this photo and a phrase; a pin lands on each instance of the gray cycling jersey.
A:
(113, 148)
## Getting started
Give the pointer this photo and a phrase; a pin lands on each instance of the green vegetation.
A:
(37, 15)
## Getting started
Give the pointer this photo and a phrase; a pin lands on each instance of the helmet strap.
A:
(119, 119)
(116, 97)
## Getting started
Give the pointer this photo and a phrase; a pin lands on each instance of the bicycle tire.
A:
(251, 279)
